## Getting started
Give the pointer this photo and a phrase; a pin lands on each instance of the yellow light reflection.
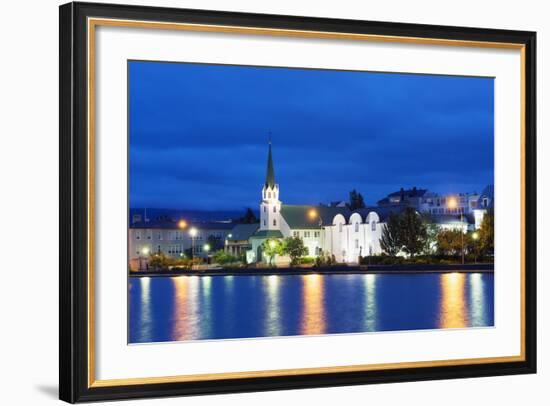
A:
(186, 314)
(313, 315)
(273, 312)
(370, 302)
(452, 313)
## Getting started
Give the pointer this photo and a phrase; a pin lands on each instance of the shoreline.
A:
(342, 270)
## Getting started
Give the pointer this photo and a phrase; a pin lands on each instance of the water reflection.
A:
(313, 316)
(146, 313)
(272, 310)
(203, 307)
(452, 307)
(186, 313)
(477, 303)
(370, 302)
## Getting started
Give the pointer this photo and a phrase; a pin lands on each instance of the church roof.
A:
(270, 176)
(268, 234)
(242, 232)
(299, 216)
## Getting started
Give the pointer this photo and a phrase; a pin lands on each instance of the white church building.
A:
(329, 230)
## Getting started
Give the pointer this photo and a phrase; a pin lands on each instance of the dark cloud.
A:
(198, 134)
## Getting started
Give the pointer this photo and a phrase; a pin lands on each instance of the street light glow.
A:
(193, 232)
(206, 247)
(312, 213)
(182, 224)
(452, 203)
(272, 244)
(145, 251)
(475, 236)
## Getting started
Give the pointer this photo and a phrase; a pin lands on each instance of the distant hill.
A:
(197, 216)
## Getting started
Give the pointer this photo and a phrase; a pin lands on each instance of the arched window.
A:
(340, 227)
(373, 225)
(356, 227)
(274, 222)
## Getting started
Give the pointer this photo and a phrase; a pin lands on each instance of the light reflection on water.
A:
(216, 307)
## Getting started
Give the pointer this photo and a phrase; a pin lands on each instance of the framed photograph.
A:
(257, 202)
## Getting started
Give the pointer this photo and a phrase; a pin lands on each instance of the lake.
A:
(221, 307)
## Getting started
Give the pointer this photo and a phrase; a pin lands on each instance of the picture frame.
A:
(77, 284)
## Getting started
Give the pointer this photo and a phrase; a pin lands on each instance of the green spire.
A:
(270, 177)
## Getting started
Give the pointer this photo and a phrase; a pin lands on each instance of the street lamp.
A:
(182, 224)
(312, 213)
(452, 203)
(145, 252)
(206, 248)
(193, 234)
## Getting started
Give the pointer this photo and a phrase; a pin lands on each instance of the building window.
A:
(274, 222)
(340, 227)
(356, 243)
(316, 234)
(296, 233)
(269, 195)
(264, 222)
(274, 209)
(149, 234)
(138, 235)
(356, 227)
(159, 235)
(373, 226)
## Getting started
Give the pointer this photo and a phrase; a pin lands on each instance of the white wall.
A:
(28, 167)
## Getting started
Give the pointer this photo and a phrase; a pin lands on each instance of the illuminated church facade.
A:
(335, 231)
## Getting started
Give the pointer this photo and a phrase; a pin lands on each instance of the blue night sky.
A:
(198, 134)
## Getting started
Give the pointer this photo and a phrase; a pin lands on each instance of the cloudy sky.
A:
(198, 134)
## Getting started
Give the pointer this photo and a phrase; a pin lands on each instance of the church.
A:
(330, 230)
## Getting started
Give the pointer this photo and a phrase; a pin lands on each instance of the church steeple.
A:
(270, 205)
(270, 176)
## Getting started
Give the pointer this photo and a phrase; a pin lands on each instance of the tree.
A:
(272, 247)
(487, 233)
(432, 231)
(449, 242)
(295, 249)
(413, 233)
(215, 243)
(389, 241)
(355, 200)
(223, 258)
(248, 218)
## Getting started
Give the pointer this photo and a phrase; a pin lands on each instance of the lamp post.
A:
(475, 237)
(193, 234)
(144, 251)
(453, 204)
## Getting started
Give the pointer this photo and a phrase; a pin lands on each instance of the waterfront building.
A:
(175, 238)
(238, 240)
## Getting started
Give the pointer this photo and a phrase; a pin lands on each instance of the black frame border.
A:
(73, 195)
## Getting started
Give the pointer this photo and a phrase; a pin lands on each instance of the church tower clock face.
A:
(270, 207)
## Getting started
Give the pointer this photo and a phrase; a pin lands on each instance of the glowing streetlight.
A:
(452, 203)
(145, 251)
(182, 224)
(193, 232)
(475, 236)
(312, 214)
(206, 248)
(272, 244)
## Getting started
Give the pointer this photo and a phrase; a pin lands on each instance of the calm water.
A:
(204, 307)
